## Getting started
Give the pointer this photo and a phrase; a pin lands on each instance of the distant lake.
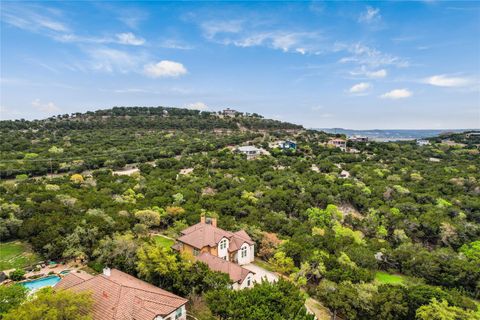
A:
(392, 135)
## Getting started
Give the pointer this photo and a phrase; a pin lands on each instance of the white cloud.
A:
(382, 73)
(299, 42)
(367, 56)
(130, 39)
(111, 60)
(164, 68)
(48, 107)
(174, 44)
(197, 106)
(372, 74)
(316, 108)
(397, 94)
(127, 38)
(301, 50)
(370, 15)
(360, 87)
(446, 81)
(234, 32)
(212, 28)
(27, 17)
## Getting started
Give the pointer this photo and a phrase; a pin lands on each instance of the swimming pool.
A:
(36, 284)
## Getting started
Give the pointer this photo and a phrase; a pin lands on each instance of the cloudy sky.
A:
(321, 64)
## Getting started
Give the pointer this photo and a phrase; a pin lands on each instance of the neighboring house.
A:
(210, 244)
(358, 139)
(338, 143)
(250, 151)
(230, 112)
(344, 174)
(422, 142)
(287, 144)
(474, 134)
(119, 296)
(241, 277)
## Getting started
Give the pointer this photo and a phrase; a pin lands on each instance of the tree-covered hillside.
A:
(326, 219)
(118, 136)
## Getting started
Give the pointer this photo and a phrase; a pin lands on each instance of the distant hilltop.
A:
(165, 118)
(395, 134)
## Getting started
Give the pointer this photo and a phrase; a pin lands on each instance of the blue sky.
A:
(359, 65)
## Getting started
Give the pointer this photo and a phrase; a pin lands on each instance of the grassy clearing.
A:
(16, 254)
(163, 241)
(264, 264)
(387, 278)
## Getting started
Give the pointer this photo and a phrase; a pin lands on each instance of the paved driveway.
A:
(260, 273)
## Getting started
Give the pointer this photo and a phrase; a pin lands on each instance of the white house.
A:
(251, 151)
(221, 250)
(422, 142)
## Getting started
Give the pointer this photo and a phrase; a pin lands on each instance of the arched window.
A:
(223, 244)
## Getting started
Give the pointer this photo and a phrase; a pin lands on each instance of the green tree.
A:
(150, 218)
(440, 310)
(54, 305)
(265, 301)
(11, 297)
(282, 263)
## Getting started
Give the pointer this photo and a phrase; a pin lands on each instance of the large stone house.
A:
(119, 296)
(221, 250)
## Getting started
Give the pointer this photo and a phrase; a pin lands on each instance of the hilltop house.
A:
(338, 143)
(221, 250)
(422, 142)
(251, 151)
(230, 112)
(119, 296)
(287, 144)
(358, 139)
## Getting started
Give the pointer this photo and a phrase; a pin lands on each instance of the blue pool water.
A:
(36, 284)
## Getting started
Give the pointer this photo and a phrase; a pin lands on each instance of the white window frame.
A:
(196, 252)
(223, 244)
(243, 252)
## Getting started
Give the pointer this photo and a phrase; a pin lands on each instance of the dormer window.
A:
(223, 244)
(243, 252)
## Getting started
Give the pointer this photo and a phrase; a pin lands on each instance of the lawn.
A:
(264, 264)
(16, 254)
(387, 278)
(163, 241)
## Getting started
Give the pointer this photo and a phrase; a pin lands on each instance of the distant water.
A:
(391, 135)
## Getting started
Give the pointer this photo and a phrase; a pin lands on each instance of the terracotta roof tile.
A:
(123, 297)
(72, 279)
(235, 272)
(201, 235)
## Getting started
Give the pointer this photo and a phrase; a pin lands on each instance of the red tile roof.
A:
(123, 297)
(235, 272)
(201, 235)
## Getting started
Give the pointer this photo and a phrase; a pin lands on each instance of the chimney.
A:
(202, 218)
(107, 272)
(213, 221)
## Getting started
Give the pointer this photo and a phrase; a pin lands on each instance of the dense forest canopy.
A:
(402, 208)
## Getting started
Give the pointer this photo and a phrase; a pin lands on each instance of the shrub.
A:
(17, 275)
